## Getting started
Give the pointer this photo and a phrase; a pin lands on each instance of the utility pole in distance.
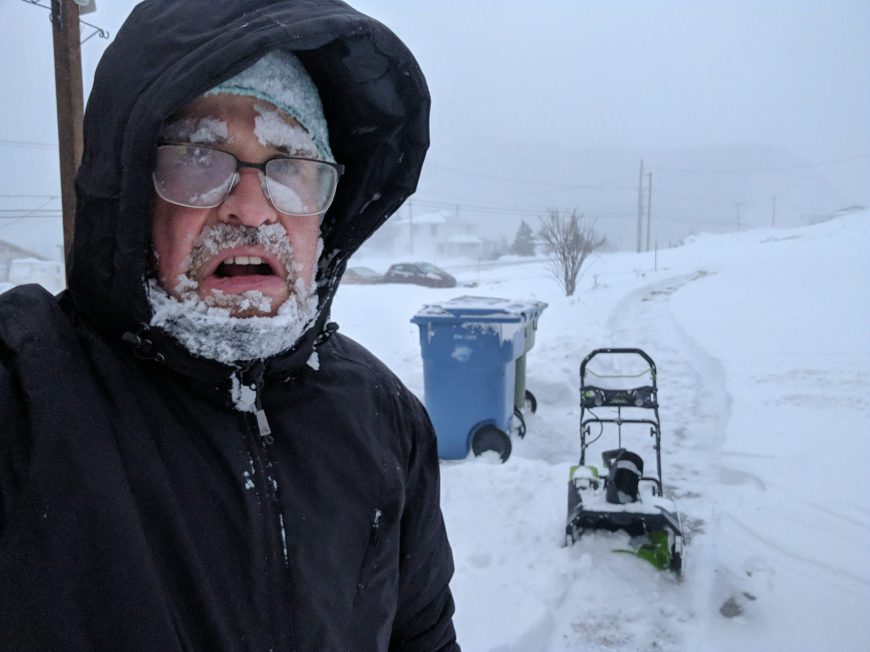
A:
(648, 208)
(640, 209)
(68, 88)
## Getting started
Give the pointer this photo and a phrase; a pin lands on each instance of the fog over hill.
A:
(694, 189)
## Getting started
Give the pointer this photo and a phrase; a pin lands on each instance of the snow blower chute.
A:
(618, 392)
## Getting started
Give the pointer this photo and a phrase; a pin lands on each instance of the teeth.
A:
(243, 260)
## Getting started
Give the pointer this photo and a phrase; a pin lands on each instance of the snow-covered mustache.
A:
(214, 239)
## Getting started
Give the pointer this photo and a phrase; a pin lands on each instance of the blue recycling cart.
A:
(471, 347)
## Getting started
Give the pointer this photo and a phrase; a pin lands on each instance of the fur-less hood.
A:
(166, 54)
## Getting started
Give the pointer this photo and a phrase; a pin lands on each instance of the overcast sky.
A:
(547, 80)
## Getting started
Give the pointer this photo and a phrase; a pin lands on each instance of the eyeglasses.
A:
(200, 177)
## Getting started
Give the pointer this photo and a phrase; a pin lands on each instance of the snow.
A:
(244, 397)
(273, 130)
(221, 237)
(207, 328)
(761, 343)
(202, 131)
(210, 331)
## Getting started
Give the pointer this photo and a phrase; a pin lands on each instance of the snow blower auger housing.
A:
(618, 391)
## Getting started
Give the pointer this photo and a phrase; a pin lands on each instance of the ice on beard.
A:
(212, 332)
(248, 301)
(222, 237)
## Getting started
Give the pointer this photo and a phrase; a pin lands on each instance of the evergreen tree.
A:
(524, 242)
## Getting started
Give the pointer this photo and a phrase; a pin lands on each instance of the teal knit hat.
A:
(280, 78)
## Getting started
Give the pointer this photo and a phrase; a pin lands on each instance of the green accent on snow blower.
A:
(656, 551)
(589, 471)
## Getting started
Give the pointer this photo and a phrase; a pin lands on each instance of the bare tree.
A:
(569, 240)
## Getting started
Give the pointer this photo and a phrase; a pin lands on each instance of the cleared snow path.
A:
(653, 609)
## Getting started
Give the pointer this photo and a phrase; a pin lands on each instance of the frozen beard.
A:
(207, 328)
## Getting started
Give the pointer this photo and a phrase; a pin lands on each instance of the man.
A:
(190, 456)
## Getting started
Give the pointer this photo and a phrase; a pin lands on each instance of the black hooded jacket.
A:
(139, 508)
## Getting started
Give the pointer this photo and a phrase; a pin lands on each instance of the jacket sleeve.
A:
(424, 618)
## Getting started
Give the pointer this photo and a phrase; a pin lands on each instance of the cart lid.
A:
(480, 310)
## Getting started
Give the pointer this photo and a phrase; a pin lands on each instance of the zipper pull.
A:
(262, 422)
(263, 425)
(376, 525)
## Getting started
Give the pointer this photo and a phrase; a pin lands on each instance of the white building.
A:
(430, 236)
(10, 252)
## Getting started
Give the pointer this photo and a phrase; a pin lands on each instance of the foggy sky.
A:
(532, 96)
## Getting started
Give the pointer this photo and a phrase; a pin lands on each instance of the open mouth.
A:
(234, 272)
(243, 266)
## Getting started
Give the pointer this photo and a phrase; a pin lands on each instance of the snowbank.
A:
(763, 355)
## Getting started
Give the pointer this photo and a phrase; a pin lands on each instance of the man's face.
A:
(222, 266)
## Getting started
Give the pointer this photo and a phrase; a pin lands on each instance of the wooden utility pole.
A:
(648, 209)
(68, 88)
(640, 209)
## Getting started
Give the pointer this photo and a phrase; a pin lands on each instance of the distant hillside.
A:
(712, 188)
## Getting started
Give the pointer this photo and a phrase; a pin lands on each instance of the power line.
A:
(28, 211)
(527, 181)
(760, 170)
(8, 220)
(25, 143)
(29, 196)
(97, 30)
(703, 200)
(512, 210)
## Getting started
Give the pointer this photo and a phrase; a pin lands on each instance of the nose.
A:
(247, 203)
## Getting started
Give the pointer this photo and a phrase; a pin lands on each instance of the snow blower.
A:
(618, 391)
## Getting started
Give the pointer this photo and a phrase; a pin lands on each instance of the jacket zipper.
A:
(259, 440)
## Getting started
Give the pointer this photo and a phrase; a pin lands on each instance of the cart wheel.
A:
(490, 438)
(530, 403)
(521, 429)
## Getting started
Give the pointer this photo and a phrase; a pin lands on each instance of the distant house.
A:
(47, 273)
(10, 252)
(439, 234)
